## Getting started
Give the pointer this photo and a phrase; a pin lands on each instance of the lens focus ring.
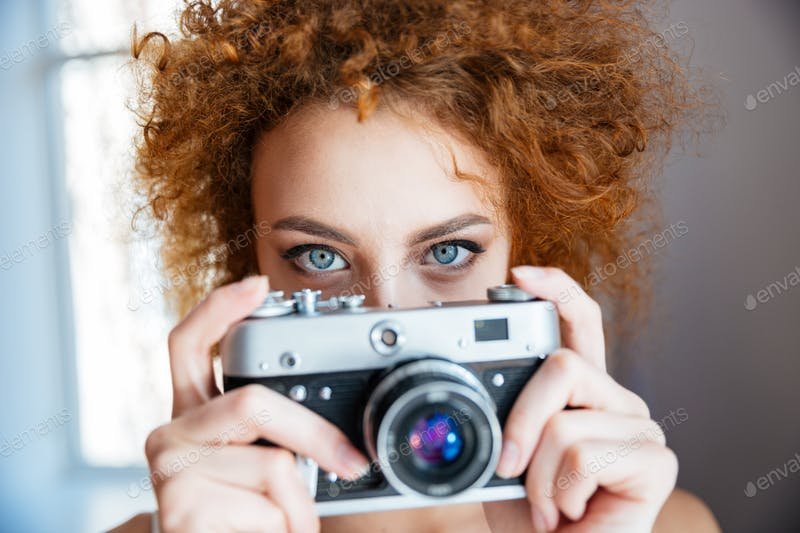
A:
(432, 427)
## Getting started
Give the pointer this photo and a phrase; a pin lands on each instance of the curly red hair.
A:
(575, 103)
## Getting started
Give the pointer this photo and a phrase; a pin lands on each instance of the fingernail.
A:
(356, 465)
(509, 458)
(528, 272)
(537, 518)
(252, 283)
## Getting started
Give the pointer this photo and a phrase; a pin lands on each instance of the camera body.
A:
(423, 392)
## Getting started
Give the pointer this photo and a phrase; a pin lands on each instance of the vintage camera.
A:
(424, 392)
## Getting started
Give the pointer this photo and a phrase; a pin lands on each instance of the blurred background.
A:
(84, 372)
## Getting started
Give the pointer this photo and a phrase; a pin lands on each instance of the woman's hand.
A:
(206, 474)
(602, 466)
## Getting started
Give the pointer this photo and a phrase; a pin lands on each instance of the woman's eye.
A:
(316, 258)
(451, 253)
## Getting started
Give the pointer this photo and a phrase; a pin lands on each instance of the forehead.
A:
(387, 172)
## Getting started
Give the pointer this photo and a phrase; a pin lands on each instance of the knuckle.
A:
(248, 400)
(274, 464)
(640, 406)
(559, 429)
(282, 461)
(175, 339)
(594, 313)
(667, 467)
(563, 363)
(655, 432)
(671, 461)
(574, 458)
(156, 442)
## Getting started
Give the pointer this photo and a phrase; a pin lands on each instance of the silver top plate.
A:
(343, 340)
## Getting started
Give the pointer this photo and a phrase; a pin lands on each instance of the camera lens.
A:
(431, 426)
(435, 440)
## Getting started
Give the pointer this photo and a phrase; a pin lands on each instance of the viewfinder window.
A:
(495, 329)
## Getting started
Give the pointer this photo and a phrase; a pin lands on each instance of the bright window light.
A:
(121, 324)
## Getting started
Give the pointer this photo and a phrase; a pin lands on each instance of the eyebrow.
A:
(319, 229)
(447, 227)
(313, 227)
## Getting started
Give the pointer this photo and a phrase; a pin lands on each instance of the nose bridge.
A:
(380, 285)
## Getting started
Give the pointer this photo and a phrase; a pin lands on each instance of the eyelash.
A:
(293, 253)
(471, 246)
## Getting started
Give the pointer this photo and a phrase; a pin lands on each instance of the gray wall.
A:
(732, 371)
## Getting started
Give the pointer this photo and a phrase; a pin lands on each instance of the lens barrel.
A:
(432, 427)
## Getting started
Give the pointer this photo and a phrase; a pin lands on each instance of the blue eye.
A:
(321, 258)
(452, 253)
(445, 253)
(316, 258)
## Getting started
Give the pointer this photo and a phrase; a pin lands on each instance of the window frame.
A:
(53, 60)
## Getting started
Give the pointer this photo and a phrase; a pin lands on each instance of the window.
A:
(119, 316)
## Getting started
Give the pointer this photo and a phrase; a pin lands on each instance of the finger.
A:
(257, 513)
(244, 510)
(268, 470)
(564, 430)
(564, 379)
(644, 475)
(190, 341)
(582, 321)
(254, 411)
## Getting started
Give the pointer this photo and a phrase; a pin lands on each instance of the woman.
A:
(327, 144)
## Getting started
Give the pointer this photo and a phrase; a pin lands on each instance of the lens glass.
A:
(440, 446)
(435, 440)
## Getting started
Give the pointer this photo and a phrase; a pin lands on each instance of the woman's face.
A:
(374, 208)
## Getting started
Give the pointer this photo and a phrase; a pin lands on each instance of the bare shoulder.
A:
(683, 511)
